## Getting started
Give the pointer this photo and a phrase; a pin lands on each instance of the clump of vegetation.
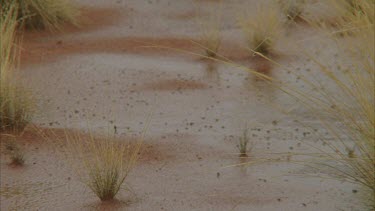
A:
(15, 102)
(43, 14)
(10, 146)
(261, 30)
(345, 97)
(355, 6)
(364, 8)
(210, 38)
(348, 98)
(351, 152)
(103, 164)
(352, 13)
(211, 41)
(17, 157)
(353, 107)
(292, 9)
(244, 144)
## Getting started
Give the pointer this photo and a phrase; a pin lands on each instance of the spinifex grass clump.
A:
(357, 6)
(352, 103)
(15, 109)
(244, 144)
(15, 103)
(17, 156)
(364, 8)
(14, 151)
(261, 30)
(292, 9)
(351, 14)
(102, 164)
(211, 41)
(211, 33)
(344, 102)
(44, 14)
(352, 106)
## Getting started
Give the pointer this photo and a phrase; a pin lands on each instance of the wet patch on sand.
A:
(184, 163)
(49, 50)
(39, 139)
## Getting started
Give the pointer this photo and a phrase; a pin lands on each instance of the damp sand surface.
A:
(121, 69)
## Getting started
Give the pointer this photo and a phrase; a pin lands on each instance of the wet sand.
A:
(110, 72)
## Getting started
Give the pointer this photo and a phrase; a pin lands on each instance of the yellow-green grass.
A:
(102, 163)
(44, 14)
(261, 29)
(15, 102)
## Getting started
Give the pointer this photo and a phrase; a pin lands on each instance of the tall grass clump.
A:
(351, 14)
(244, 144)
(17, 157)
(358, 7)
(352, 106)
(292, 9)
(44, 14)
(13, 150)
(210, 27)
(103, 164)
(343, 100)
(15, 102)
(261, 29)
